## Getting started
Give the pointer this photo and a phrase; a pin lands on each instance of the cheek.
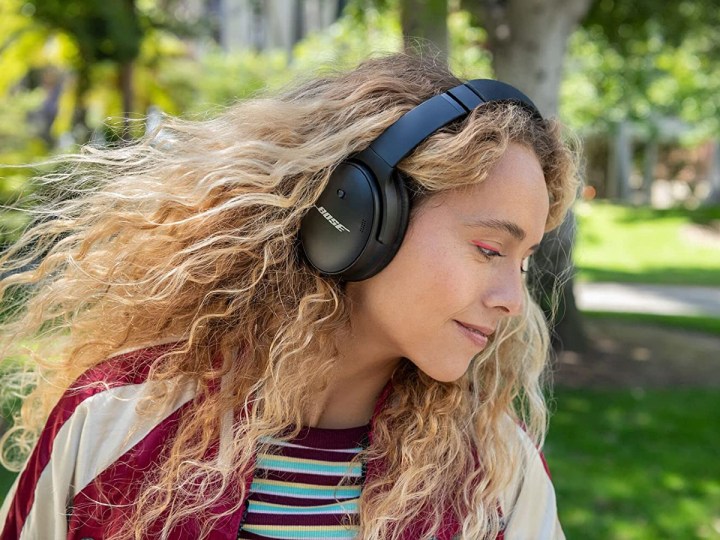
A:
(434, 283)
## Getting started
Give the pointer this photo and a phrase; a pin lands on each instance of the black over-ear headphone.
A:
(358, 222)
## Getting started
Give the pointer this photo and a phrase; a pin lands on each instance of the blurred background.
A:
(635, 431)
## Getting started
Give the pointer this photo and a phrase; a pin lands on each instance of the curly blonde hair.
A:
(189, 235)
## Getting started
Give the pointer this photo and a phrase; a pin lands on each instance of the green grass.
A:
(636, 465)
(6, 480)
(629, 244)
(698, 323)
(9, 405)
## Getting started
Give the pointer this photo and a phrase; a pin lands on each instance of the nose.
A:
(506, 293)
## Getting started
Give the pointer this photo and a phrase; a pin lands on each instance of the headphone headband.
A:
(416, 125)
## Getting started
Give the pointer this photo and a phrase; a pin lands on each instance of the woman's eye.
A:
(487, 251)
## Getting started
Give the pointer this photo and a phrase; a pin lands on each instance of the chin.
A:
(449, 374)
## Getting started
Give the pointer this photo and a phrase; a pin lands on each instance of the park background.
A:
(635, 431)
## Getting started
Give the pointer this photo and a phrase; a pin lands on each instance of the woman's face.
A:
(458, 271)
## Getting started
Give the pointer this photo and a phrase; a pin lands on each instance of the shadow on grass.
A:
(6, 480)
(632, 465)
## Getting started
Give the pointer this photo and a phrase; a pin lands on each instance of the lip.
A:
(471, 332)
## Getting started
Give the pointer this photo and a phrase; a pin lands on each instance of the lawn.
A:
(636, 465)
(629, 244)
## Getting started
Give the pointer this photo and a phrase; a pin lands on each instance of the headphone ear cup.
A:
(340, 235)
(337, 230)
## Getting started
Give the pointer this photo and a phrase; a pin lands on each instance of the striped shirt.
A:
(307, 488)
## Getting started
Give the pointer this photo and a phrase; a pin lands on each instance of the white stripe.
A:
(292, 445)
(101, 429)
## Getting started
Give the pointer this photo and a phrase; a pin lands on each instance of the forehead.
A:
(514, 194)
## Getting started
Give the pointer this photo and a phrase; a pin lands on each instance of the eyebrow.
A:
(508, 226)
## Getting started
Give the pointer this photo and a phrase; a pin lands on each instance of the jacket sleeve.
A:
(86, 432)
(531, 509)
(38, 503)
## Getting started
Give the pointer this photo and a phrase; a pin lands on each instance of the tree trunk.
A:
(424, 27)
(528, 40)
(79, 125)
(125, 78)
(714, 176)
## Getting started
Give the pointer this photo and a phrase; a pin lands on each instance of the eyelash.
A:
(487, 252)
(490, 253)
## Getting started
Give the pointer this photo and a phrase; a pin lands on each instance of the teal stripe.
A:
(342, 469)
(319, 492)
(345, 507)
(304, 533)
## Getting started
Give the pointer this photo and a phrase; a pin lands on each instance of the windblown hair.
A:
(189, 236)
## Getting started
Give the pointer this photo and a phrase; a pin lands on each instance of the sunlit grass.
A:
(622, 243)
(637, 465)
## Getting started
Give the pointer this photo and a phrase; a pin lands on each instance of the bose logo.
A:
(334, 222)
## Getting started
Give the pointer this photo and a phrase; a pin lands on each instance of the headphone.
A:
(358, 223)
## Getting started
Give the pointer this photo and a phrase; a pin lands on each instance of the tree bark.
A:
(79, 126)
(424, 27)
(714, 176)
(125, 82)
(528, 41)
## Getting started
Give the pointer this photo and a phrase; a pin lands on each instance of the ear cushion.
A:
(378, 255)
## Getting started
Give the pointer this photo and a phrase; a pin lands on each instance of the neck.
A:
(349, 398)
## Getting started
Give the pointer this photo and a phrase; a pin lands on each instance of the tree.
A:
(424, 26)
(528, 40)
(102, 31)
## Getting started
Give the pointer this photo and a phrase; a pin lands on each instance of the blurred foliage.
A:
(604, 85)
(640, 61)
(636, 61)
(363, 31)
(626, 24)
(100, 29)
(629, 61)
(17, 143)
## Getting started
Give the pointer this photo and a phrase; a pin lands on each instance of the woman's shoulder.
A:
(112, 407)
(125, 367)
(115, 404)
(114, 390)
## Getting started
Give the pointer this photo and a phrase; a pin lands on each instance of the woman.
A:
(238, 353)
